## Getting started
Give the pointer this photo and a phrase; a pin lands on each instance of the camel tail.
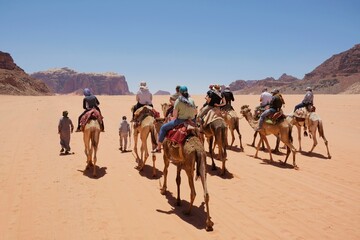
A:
(290, 135)
(224, 140)
(321, 129)
(197, 163)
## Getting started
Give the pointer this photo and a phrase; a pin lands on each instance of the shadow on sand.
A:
(197, 217)
(100, 172)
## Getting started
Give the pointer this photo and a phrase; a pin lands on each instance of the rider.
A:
(184, 109)
(143, 97)
(214, 99)
(275, 106)
(172, 100)
(265, 98)
(308, 99)
(90, 101)
(229, 96)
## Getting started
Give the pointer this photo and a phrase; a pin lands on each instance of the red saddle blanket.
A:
(179, 133)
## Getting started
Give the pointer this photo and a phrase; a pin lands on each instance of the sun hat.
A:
(308, 89)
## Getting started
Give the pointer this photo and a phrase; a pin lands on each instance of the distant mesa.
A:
(14, 80)
(161, 92)
(68, 81)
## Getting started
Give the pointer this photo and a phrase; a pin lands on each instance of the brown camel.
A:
(281, 129)
(312, 120)
(232, 120)
(144, 128)
(91, 136)
(214, 129)
(188, 156)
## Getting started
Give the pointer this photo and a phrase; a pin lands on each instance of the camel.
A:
(214, 129)
(313, 122)
(257, 113)
(144, 128)
(232, 120)
(188, 156)
(91, 135)
(281, 129)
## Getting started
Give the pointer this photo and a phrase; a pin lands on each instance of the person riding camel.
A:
(265, 98)
(172, 100)
(307, 101)
(214, 99)
(184, 109)
(275, 106)
(143, 97)
(229, 96)
(90, 101)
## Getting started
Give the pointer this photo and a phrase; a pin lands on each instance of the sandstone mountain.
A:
(338, 74)
(14, 80)
(65, 81)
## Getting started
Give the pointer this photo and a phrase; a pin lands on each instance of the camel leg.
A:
(258, 147)
(154, 168)
(313, 133)
(209, 223)
(327, 147)
(178, 182)
(165, 172)
(276, 149)
(291, 148)
(211, 140)
(241, 146)
(267, 145)
(190, 174)
(253, 143)
(232, 137)
(299, 136)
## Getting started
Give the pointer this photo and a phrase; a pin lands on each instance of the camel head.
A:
(245, 110)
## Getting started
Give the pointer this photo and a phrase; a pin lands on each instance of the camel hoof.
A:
(209, 226)
(163, 191)
(329, 157)
(296, 167)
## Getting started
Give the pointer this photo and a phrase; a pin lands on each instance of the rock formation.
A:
(65, 81)
(14, 80)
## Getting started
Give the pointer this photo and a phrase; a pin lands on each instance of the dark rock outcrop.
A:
(65, 80)
(14, 80)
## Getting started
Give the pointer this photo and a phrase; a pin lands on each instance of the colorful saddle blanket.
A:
(180, 132)
(91, 114)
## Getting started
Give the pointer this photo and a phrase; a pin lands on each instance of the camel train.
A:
(190, 155)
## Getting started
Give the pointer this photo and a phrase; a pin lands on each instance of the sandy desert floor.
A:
(47, 196)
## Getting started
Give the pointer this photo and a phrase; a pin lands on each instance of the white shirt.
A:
(265, 98)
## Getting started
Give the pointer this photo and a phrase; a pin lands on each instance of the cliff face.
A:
(338, 74)
(65, 80)
(14, 81)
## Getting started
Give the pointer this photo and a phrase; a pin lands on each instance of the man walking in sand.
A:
(124, 132)
(65, 128)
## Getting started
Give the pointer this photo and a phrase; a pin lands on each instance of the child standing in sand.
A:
(65, 128)
(124, 132)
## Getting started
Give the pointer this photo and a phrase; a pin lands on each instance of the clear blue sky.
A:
(187, 42)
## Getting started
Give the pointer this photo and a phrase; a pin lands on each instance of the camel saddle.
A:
(90, 115)
(276, 117)
(179, 133)
(141, 113)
